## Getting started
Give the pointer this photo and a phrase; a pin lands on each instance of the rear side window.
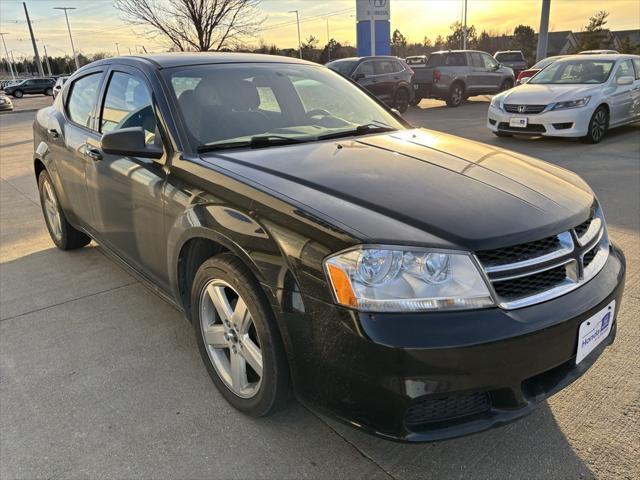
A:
(383, 67)
(510, 57)
(82, 97)
(128, 104)
(456, 60)
(476, 60)
(436, 60)
(636, 63)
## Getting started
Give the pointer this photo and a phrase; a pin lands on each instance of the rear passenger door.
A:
(125, 193)
(492, 77)
(476, 79)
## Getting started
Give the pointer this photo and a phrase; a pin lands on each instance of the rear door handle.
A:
(53, 133)
(93, 153)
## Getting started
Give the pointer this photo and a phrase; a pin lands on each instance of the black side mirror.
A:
(358, 76)
(129, 142)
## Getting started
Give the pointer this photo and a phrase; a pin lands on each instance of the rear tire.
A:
(416, 100)
(17, 94)
(401, 100)
(62, 233)
(240, 346)
(598, 126)
(456, 95)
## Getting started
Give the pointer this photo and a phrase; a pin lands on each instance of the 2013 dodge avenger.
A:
(411, 283)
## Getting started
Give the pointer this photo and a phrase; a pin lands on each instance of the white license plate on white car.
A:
(594, 330)
(518, 122)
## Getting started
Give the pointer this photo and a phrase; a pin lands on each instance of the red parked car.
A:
(530, 72)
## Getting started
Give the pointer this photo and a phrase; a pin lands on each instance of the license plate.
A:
(518, 122)
(594, 330)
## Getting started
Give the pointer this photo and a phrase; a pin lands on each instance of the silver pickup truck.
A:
(454, 75)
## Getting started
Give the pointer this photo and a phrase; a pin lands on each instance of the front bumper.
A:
(572, 122)
(479, 369)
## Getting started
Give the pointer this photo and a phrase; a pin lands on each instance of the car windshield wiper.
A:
(359, 130)
(258, 141)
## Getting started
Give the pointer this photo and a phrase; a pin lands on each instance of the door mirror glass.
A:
(129, 142)
(626, 80)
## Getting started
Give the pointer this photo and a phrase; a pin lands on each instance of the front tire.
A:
(598, 126)
(238, 338)
(416, 100)
(62, 233)
(456, 95)
(17, 94)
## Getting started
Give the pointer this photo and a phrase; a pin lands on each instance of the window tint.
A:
(510, 57)
(625, 69)
(383, 67)
(415, 60)
(636, 63)
(488, 61)
(82, 96)
(128, 104)
(366, 68)
(476, 60)
(456, 60)
(575, 72)
(398, 67)
(436, 60)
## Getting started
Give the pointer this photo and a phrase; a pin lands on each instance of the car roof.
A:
(599, 56)
(509, 51)
(183, 59)
(370, 57)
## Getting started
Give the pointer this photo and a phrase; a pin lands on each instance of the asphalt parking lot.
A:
(100, 378)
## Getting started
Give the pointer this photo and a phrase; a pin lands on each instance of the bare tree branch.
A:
(200, 25)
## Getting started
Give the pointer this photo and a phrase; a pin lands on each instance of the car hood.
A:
(532, 94)
(419, 187)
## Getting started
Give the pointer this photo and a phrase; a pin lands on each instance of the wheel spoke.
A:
(252, 354)
(220, 302)
(241, 317)
(214, 336)
(238, 366)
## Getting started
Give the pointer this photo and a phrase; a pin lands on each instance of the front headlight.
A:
(495, 102)
(581, 102)
(399, 279)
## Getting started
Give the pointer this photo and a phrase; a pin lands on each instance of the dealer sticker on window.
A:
(594, 330)
(518, 122)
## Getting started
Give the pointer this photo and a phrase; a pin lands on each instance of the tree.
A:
(524, 38)
(595, 35)
(454, 40)
(188, 25)
(440, 42)
(398, 44)
(309, 48)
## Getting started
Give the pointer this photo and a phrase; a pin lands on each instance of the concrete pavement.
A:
(101, 378)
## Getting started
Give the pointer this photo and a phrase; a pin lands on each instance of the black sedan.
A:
(42, 86)
(413, 284)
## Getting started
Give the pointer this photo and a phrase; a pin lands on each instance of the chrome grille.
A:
(514, 108)
(525, 274)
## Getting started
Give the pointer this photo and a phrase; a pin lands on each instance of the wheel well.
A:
(193, 254)
(459, 82)
(38, 167)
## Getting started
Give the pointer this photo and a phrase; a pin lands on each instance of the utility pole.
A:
(33, 42)
(117, 48)
(298, 23)
(328, 42)
(372, 29)
(46, 59)
(464, 28)
(129, 50)
(73, 49)
(6, 54)
(543, 34)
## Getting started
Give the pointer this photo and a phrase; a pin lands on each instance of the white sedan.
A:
(576, 96)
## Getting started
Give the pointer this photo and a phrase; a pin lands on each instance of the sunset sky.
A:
(96, 24)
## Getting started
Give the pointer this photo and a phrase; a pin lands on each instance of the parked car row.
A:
(43, 86)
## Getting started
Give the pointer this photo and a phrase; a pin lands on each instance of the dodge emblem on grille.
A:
(522, 108)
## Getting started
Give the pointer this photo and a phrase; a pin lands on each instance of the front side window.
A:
(344, 67)
(236, 102)
(625, 69)
(489, 62)
(82, 97)
(366, 68)
(127, 104)
(575, 72)
(476, 60)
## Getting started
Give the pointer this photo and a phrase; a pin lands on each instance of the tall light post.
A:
(6, 54)
(33, 42)
(543, 34)
(46, 59)
(328, 42)
(118, 48)
(73, 48)
(464, 28)
(298, 23)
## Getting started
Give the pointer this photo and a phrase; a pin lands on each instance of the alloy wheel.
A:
(456, 95)
(231, 339)
(51, 210)
(598, 125)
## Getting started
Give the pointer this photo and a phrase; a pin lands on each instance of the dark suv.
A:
(415, 284)
(43, 86)
(388, 78)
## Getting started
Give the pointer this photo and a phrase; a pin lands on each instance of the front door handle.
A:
(93, 153)
(53, 133)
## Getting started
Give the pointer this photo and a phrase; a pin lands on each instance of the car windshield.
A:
(544, 62)
(344, 67)
(258, 105)
(509, 57)
(575, 72)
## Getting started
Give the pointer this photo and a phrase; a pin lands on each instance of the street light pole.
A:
(46, 59)
(73, 49)
(328, 42)
(464, 28)
(298, 23)
(543, 34)
(6, 54)
(372, 29)
(33, 42)
(117, 48)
